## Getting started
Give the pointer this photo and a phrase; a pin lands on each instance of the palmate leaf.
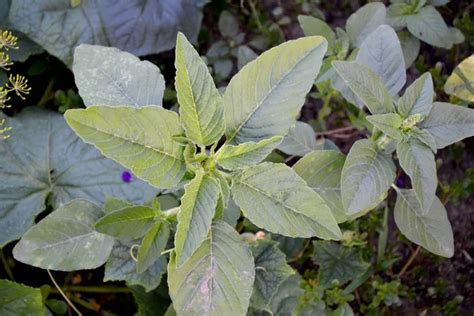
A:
(449, 123)
(197, 209)
(18, 299)
(217, 279)
(461, 82)
(366, 177)
(66, 240)
(135, 83)
(275, 198)
(140, 27)
(200, 105)
(153, 244)
(364, 21)
(276, 82)
(141, 139)
(428, 228)
(418, 97)
(44, 157)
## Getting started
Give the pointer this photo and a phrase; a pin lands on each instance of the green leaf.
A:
(153, 244)
(366, 85)
(337, 262)
(299, 141)
(228, 25)
(425, 137)
(197, 209)
(364, 21)
(382, 53)
(44, 157)
(461, 82)
(217, 279)
(449, 123)
(313, 26)
(233, 157)
(66, 240)
(122, 267)
(135, 83)
(366, 177)
(140, 139)
(276, 82)
(17, 299)
(321, 169)
(397, 14)
(245, 55)
(429, 228)
(200, 105)
(275, 198)
(410, 47)
(418, 97)
(418, 161)
(428, 25)
(112, 204)
(389, 124)
(130, 222)
(271, 270)
(150, 303)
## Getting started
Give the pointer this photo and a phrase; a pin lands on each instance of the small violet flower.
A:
(127, 177)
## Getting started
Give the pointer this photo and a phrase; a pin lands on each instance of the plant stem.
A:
(45, 98)
(6, 266)
(95, 289)
(84, 303)
(410, 261)
(336, 131)
(63, 294)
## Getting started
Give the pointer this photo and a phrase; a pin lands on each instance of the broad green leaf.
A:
(366, 85)
(140, 139)
(389, 124)
(153, 244)
(428, 25)
(66, 240)
(299, 141)
(44, 156)
(245, 55)
(418, 161)
(150, 303)
(366, 177)
(135, 83)
(141, 27)
(313, 26)
(397, 14)
(461, 81)
(228, 25)
(224, 187)
(271, 270)
(276, 82)
(17, 299)
(217, 279)
(382, 53)
(122, 267)
(112, 204)
(410, 47)
(275, 198)
(425, 137)
(449, 123)
(200, 105)
(428, 228)
(129, 222)
(321, 169)
(364, 21)
(291, 247)
(337, 262)
(197, 209)
(418, 97)
(233, 157)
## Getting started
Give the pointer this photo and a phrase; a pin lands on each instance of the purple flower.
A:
(401, 181)
(126, 176)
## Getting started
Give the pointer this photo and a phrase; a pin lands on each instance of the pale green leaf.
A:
(275, 198)
(418, 97)
(337, 262)
(428, 25)
(112, 204)
(217, 279)
(138, 138)
(425, 137)
(321, 169)
(200, 105)
(276, 82)
(228, 25)
(20, 300)
(299, 141)
(44, 157)
(364, 21)
(366, 177)
(224, 187)
(245, 55)
(389, 124)
(449, 123)
(153, 244)
(129, 222)
(397, 14)
(313, 26)
(366, 85)
(410, 47)
(135, 83)
(271, 270)
(382, 53)
(461, 82)
(418, 161)
(198, 206)
(66, 240)
(150, 303)
(428, 228)
(233, 157)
